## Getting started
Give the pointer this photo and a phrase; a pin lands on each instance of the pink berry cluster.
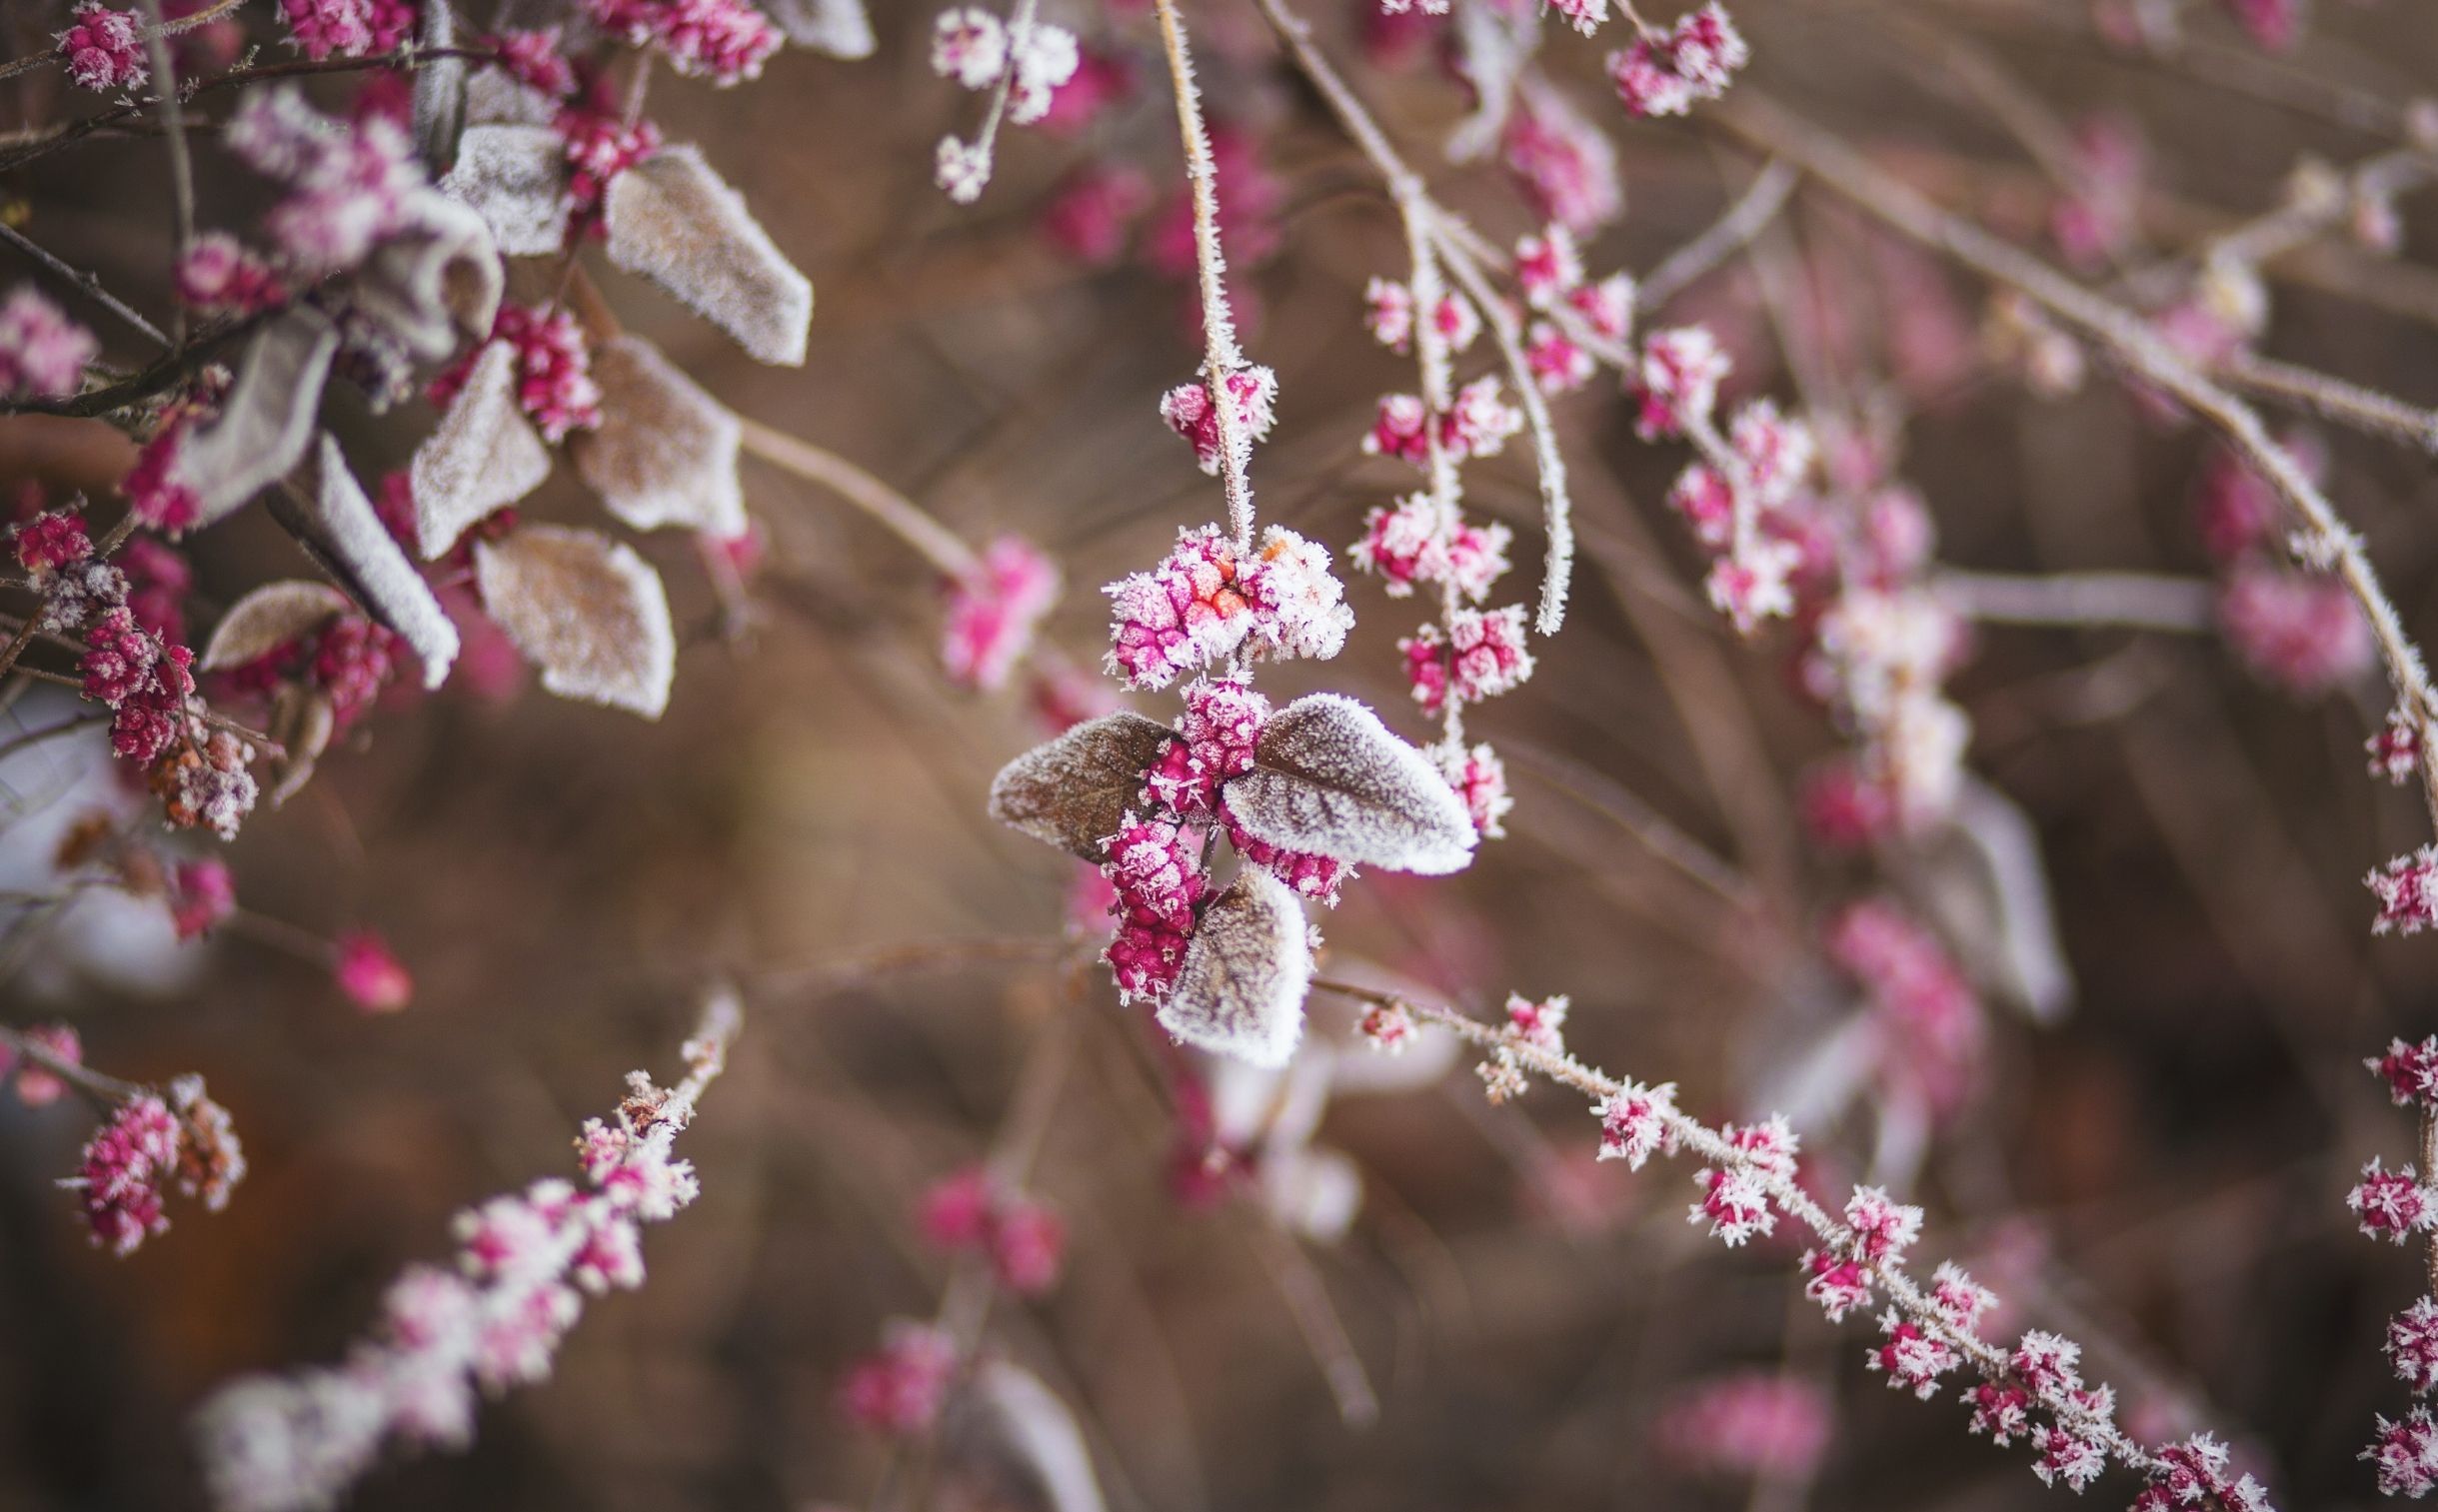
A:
(1023, 65)
(901, 1389)
(994, 611)
(148, 1145)
(36, 1084)
(42, 353)
(1190, 413)
(348, 661)
(725, 41)
(2395, 1205)
(968, 1213)
(221, 276)
(140, 675)
(1563, 163)
(1927, 1015)
(1156, 861)
(103, 49)
(1208, 601)
(555, 384)
(348, 183)
(1666, 73)
(348, 28)
(525, 1264)
(1755, 1423)
(2296, 628)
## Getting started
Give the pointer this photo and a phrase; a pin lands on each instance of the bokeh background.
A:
(2159, 1170)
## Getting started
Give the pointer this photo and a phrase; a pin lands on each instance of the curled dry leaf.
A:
(269, 617)
(840, 28)
(303, 721)
(1992, 901)
(481, 457)
(326, 511)
(673, 220)
(665, 451)
(434, 283)
(1333, 780)
(585, 609)
(515, 177)
(267, 422)
(1240, 990)
(1073, 791)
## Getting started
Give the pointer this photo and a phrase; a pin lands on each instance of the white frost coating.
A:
(674, 221)
(1037, 1431)
(1333, 780)
(266, 423)
(585, 609)
(1240, 992)
(394, 593)
(495, 98)
(840, 28)
(665, 451)
(483, 455)
(515, 177)
(267, 619)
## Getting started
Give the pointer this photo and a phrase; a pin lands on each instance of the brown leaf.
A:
(481, 457)
(1073, 791)
(674, 221)
(326, 511)
(264, 428)
(269, 617)
(587, 611)
(665, 451)
(515, 177)
(1333, 780)
(1240, 990)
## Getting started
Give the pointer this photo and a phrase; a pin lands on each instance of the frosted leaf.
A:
(1019, 1423)
(435, 282)
(515, 177)
(840, 28)
(495, 98)
(267, 421)
(1333, 780)
(1240, 990)
(483, 455)
(585, 609)
(664, 452)
(440, 86)
(269, 617)
(1074, 791)
(338, 527)
(674, 221)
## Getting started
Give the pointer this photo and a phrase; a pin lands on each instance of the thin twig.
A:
(87, 283)
(181, 160)
(2136, 601)
(1222, 357)
(1755, 208)
(2332, 399)
(900, 514)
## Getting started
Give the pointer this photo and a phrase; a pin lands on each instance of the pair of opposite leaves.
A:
(1329, 780)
